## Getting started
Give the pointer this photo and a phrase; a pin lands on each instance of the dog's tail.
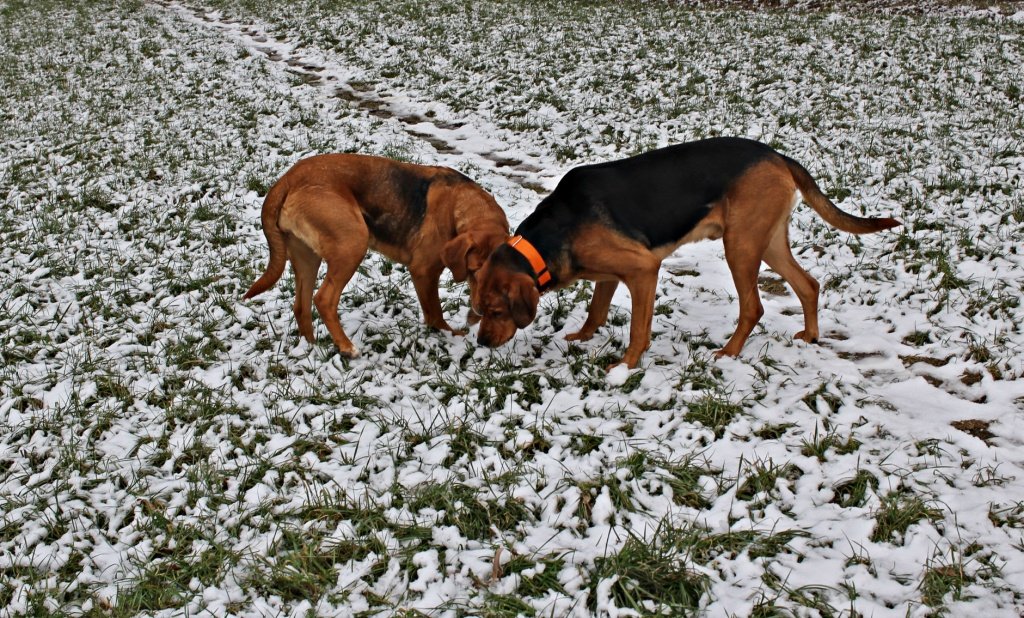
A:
(275, 238)
(831, 213)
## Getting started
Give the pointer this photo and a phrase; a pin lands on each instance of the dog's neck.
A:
(534, 262)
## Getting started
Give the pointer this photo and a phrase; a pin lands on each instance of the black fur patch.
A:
(395, 208)
(655, 198)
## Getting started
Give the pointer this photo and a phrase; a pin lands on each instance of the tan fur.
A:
(318, 212)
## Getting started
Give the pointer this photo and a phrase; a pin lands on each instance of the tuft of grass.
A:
(1009, 516)
(700, 373)
(772, 431)
(619, 493)
(536, 578)
(823, 400)
(462, 506)
(855, 492)
(683, 477)
(713, 411)
(302, 564)
(652, 576)
(946, 576)
(706, 547)
(762, 477)
(819, 445)
(165, 581)
(918, 338)
(897, 513)
(503, 606)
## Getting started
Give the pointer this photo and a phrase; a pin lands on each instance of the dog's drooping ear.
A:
(462, 255)
(523, 298)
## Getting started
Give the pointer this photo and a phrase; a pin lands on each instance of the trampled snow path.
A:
(478, 143)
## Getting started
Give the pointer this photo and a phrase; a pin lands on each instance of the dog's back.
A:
(656, 197)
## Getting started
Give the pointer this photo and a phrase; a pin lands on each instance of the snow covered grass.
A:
(166, 448)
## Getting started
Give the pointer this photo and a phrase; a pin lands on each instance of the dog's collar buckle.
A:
(540, 270)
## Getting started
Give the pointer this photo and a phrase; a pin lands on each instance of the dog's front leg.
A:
(642, 287)
(426, 283)
(597, 315)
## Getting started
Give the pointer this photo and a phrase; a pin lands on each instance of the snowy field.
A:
(167, 449)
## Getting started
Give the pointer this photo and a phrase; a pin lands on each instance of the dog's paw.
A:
(445, 327)
(580, 336)
(805, 336)
(723, 353)
(349, 352)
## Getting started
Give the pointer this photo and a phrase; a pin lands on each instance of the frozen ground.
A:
(168, 449)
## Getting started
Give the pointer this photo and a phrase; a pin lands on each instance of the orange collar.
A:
(528, 251)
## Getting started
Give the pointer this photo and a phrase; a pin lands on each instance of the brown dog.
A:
(617, 221)
(333, 207)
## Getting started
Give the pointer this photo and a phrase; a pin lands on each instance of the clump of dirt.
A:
(976, 428)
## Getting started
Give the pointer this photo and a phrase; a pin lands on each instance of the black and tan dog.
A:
(617, 221)
(333, 207)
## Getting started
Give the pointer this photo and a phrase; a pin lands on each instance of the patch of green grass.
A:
(701, 373)
(897, 512)
(683, 476)
(586, 443)
(713, 411)
(918, 338)
(164, 582)
(632, 382)
(489, 386)
(473, 513)
(947, 575)
(464, 444)
(942, 580)
(503, 606)
(819, 445)
(854, 492)
(366, 516)
(705, 546)
(762, 476)
(537, 577)
(823, 400)
(771, 431)
(652, 576)
(618, 490)
(302, 564)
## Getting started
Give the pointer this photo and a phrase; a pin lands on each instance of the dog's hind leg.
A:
(780, 259)
(305, 264)
(744, 258)
(597, 314)
(757, 209)
(330, 224)
(343, 258)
